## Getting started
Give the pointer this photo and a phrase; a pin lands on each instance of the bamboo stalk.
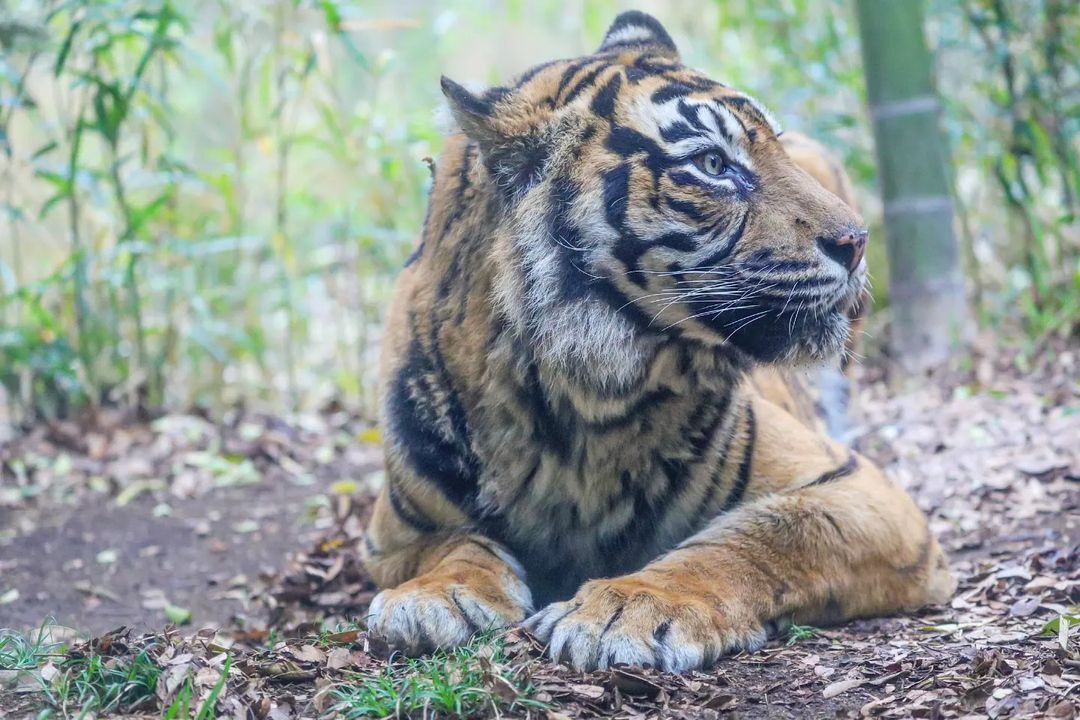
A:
(925, 282)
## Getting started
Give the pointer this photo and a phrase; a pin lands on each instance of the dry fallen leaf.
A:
(633, 682)
(591, 692)
(338, 658)
(840, 687)
(308, 653)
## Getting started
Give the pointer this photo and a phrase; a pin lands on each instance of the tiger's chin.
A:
(790, 338)
(818, 342)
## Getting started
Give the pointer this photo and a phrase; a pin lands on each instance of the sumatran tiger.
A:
(591, 419)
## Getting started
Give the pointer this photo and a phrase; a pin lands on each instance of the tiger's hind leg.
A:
(442, 586)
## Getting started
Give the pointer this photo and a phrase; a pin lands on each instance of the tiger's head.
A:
(638, 198)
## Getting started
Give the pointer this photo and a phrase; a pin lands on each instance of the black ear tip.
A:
(462, 100)
(635, 17)
(449, 87)
(634, 27)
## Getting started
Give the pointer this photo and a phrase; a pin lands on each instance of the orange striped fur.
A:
(593, 423)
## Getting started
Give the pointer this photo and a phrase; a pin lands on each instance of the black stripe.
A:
(566, 240)
(552, 434)
(568, 75)
(433, 438)
(603, 103)
(743, 478)
(670, 92)
(729, 245)
(751, 133)
(687, 208)
(626, 142)
(618, 301)
(636, 410)
(682, 88)
(678, 131)
(533, 72)
(701, 430)
(721, 125)
(683, 242)
(744, 105)
(655, 65)
(844, 470)
(717, 478)
(684, 178)
(712, 410)
(589, 79)
(617, 196)
(628, 248)
(448, 280)
(495, 94)
(461, 611)
(407, 511)
(690, 114)
(611, 621)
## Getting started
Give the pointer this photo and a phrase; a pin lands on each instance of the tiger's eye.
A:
(710, 163)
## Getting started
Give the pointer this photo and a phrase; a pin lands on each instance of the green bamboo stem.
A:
(925, 283)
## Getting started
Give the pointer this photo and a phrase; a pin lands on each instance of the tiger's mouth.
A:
(804, 321)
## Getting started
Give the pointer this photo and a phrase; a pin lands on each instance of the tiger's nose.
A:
(847, 248)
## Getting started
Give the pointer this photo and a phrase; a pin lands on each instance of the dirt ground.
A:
(105, 523)
(193, 559)
(991, 452)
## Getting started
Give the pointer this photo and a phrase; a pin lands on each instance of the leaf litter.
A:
(993, 456)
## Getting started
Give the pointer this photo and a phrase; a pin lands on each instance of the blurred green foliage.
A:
(207, 202)
(1010, 76)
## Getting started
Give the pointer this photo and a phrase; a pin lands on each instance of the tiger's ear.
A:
(635, 29)
(513, 146)
(475, 114)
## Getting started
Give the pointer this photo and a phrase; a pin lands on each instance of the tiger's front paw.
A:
(632, 621)
(440, 611)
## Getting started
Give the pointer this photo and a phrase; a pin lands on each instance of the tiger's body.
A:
(588, 404)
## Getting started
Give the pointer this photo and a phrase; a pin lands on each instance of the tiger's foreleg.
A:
(844, 544)
(442, 583)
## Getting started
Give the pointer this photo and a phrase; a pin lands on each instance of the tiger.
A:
(595, 419)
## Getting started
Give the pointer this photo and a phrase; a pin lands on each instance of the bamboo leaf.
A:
(65, 48)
